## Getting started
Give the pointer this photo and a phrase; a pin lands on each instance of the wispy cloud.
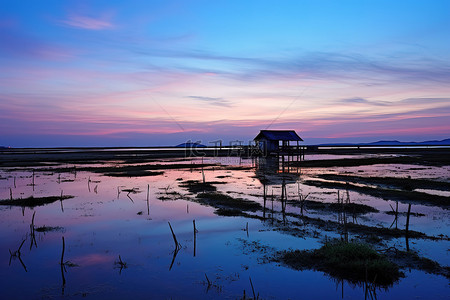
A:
(90, 23)
(212, 101)
(363, 101)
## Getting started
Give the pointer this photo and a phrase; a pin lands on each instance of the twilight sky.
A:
(149, 73)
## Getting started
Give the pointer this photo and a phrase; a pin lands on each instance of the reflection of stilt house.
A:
(278, 142)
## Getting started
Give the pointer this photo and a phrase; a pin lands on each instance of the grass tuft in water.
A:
(34, 201)
(224, 201)
(351, 261)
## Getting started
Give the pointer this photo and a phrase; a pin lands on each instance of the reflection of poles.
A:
(342, 216)
(301, 198)
(17, 254)
(395, 214)
(407, 227)
(177, 245)
(148, 203)
(264, 196)
(63, 268)
(61, 200)
(128, 195)
(272, 206)
(253, 290)
(195, 237)
(283, 200)
(33, 232)
(122, 265)
(173, 258)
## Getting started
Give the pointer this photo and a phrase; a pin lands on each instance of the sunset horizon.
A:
(150, 73)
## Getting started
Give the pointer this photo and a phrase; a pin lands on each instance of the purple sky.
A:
(155, 73)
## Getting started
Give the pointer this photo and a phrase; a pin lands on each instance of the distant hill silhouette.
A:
(392, 143)
(190, 145)
(397, 143)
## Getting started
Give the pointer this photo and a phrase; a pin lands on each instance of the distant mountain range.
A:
(392, 143)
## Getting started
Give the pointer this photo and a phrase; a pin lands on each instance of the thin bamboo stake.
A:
(177, 245)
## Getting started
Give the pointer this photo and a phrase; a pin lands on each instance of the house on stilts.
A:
(279, 143)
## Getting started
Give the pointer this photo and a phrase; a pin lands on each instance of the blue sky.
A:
(143, 73)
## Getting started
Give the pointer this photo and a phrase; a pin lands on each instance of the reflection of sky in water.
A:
(100, 224)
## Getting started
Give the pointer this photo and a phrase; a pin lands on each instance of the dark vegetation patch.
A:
(170, 196)
(133, 173)
(237, 168)
(32, 201)
(359, 229)
(414, 214)
(142, 168)
(412, 260)
(428, 157)
(229, 212)
(197, 186)
(387, 194)
(407, 184)
(49, 228)
(351, 261)
(353, 162)
(224, 176)
(219, 200)
(352, 208)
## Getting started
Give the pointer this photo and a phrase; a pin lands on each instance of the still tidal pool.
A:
(112, 240)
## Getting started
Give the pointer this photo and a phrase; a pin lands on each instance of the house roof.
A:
(278, 135)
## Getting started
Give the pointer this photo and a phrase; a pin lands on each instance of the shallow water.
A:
(102, 222)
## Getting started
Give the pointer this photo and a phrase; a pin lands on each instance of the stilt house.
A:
(277, 141)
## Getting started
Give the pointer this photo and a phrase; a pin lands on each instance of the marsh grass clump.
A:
(228, 212)
(49, 228)
(224, 201)
(34, 201)
(355, 208)
(354, 262)
(196, 186)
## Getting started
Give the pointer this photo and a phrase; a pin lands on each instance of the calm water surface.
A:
(103, 222)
